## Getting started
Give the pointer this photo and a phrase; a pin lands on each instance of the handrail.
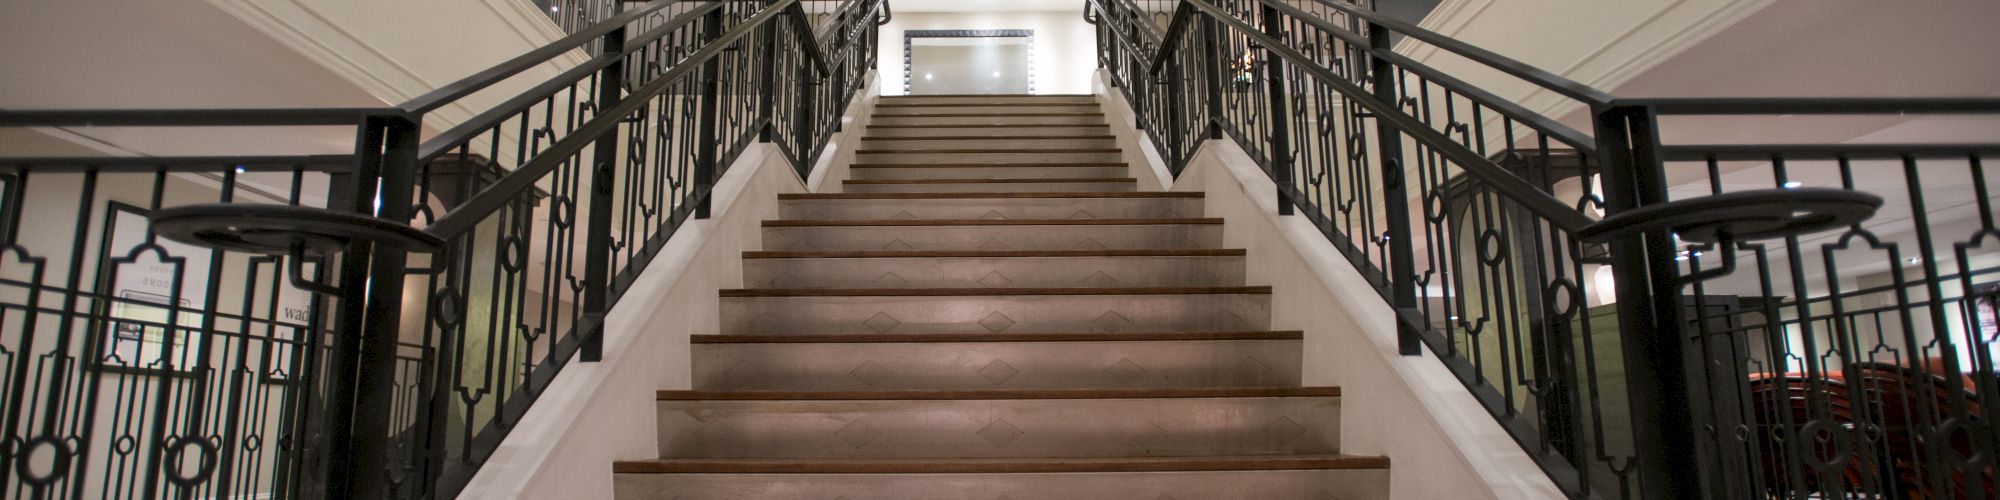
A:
(1815, 105)
(475, 82)
(1493, 175)
(502, 192)
(1540, 77)
(479, 123)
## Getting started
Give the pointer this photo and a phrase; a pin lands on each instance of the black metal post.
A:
(1212, 70)
(597, 230)
(344, 360)
(374, 436)
(767, 85)
(710, 142)
(1649, 310)
(1395, 196)
(1280, 147)
(802, 125)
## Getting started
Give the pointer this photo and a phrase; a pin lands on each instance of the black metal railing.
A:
(1583, 284)
(372, 323)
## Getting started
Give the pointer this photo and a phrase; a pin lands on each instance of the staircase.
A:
(990, 311)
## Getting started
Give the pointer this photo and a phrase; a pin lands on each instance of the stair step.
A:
(982, 99)
(988, 142)
(1008, 269)
(1046, 423)
(974, 130)
(1009, 119)
(993, 310)
(996, 234)
(989, 205)
(1093, 184)
(1320, 477)
(1006, 361)
(988, 156)
(897, 109)
(984, 171)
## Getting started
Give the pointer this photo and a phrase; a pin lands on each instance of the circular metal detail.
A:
(445, 308)
(1743, 215)
(276, 229)
(58, 460)
(204, 461)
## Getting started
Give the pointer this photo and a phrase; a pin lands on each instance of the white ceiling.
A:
(984, 5)
(108, 54)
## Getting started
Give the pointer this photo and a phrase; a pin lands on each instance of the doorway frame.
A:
(912, 35)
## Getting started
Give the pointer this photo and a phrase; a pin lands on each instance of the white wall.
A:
(1065, 46)
(1440, 441)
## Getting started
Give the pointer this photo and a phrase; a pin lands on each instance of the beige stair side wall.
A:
(594, 414)
(1442, 443)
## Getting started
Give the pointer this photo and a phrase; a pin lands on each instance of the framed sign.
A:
(288, 315)
(153, 291)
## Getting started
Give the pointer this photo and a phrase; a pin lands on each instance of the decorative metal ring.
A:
(1742, 215)
(276, 229)
(59, 463)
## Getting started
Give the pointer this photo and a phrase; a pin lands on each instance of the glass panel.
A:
(970, 65)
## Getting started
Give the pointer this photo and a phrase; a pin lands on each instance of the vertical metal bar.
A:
(1395, 195)
(376, 380)
(597, 231)
(1280, 149)
(1212, 70)
(345, 358)
(802, 125)
(710, 143)
(767, 85)
(1649, 308)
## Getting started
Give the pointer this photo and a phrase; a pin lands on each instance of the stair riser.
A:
(1011, 187)
(1091, 119)
(995, 314)
(881, 111)
(985, 158)
(1020, 365)
(1006, 131)
(924, 144)
(1022, 428)
(1364, 484)
(993, 272)
(1029, 208)
(990, 99)
(1059, 172)
(1077, 237)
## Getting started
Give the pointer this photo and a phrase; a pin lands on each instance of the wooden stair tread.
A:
(885, 254)
(985, 292)
(1100, 164)
(1002, 465)
(961, 196)
(1067, 180)
(991, 105)
(1002, 394)
(926, 338)
(1011, 96)
(986, 222)
(979, 115)
(984, 151)
(997, 125)
(985, 137)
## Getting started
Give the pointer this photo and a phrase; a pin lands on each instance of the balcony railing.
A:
(1647, 320)
(372, 324)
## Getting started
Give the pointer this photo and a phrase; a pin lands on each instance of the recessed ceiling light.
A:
(1793, 184)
